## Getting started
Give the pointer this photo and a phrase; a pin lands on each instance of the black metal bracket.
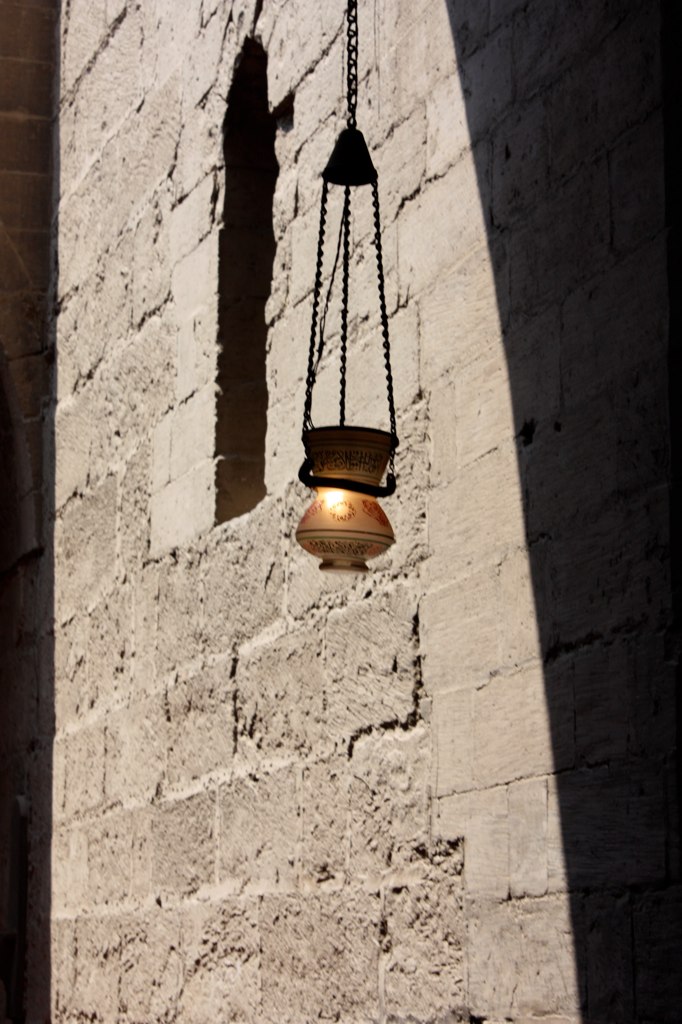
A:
(350, 162)
(306, 476)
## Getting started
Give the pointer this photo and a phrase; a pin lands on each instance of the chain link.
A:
(310, 377)
(384, 316)
(344, 302)
(352, 69)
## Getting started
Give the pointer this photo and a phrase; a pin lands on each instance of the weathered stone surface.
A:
(322, 951)
(258, 839)
(438, 793)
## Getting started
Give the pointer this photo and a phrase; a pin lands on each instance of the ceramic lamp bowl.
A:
(344, 528)
(353, 453)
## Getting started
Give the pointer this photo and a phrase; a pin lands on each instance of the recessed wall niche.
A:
(246, 253)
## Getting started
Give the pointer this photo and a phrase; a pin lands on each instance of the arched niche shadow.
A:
(563, 103)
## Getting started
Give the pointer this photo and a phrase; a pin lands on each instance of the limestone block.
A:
(459, 315)
(528, 837)
(135, 389)
(595, 91)
(145, 587)
(145, 151)
(111, 89)
(134, 494)
(142, 854)
(109, 847)
(221, 960)
(519, 639)
(401, 164)
(108, 648)
(589, 813)
(521, 958)
(183, 509)
(280, 698)
(161, 449)
(287, 358)
(201, 62)
(183, 837)
(69, 665)
(106, 311)
(96, 955)
(195, 281)
(325, 818)
(151, 279)
(520, 168)
(199, 142)
(320, 951)
(416, 61)
(425, 970)
(603, 694)
(200, 722)
(82, 33)
(452, 202)
(72, 452)
(84, 790)
(293, 49)
(85, 539)
(192, 431)
(389, 815)
(609, 957)
(150, 964)
(259, 832)
(447, 130)
(483, 409)
(537, 375)
(460, 632)
(62, 943)
(512, 737)
(180, 612)
(370, 658)
(657, 941)
(453, 721)
(136, 738)
(545, 264)
(481, 817)
(192, 217)
(243, 577)
(304, 236)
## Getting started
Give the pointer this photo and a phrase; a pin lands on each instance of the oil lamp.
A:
(344, 526)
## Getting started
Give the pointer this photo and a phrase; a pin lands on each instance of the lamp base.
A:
(342, 565)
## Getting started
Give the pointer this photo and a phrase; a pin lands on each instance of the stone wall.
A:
(444, 791)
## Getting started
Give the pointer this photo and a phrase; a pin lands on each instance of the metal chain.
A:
(352, 61)
(345, 218)
(310, 377)
(384, 317)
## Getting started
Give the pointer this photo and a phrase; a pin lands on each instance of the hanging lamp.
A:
(345, 526)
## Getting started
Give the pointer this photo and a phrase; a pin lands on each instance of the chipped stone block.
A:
(528, 837)
(84, 790)
(320, 951)
(280, 698)
(481, 818)
(183, 509)
(325, 819)
(221, 961)
(370, 658)
(259, 832)
(521, 958)
(183, 835)
(85, 542)
(424, 938)
(137, 738)
(389, 818)
(453, 737)
(200, 722)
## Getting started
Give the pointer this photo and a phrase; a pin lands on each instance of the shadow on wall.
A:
(28, 148)
(568, 149)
